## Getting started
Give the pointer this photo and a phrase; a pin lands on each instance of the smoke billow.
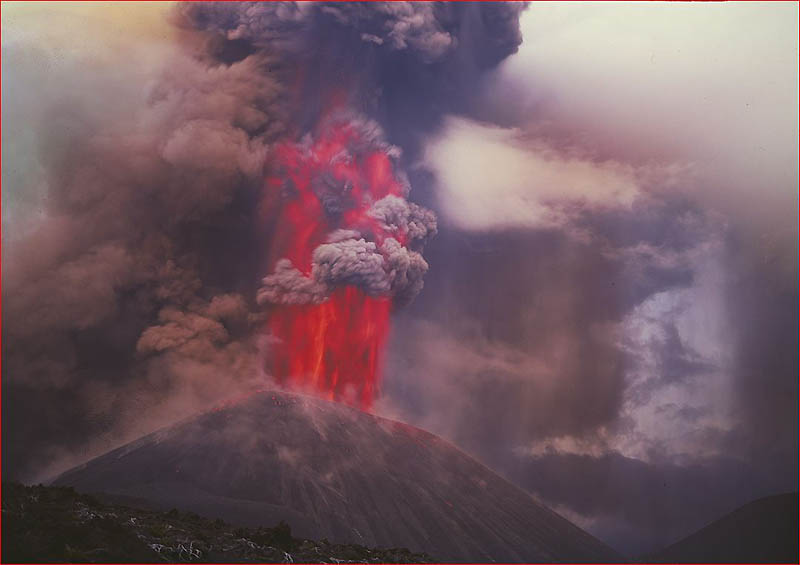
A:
(611, 293)
(143, 238)
(134, 298)
(349, 66)
(405, 64)
(346, 258)
(630, 315)
(340, 266)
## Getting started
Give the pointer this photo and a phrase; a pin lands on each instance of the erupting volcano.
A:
(345, 252)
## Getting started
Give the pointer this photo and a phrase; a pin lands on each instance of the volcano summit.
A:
(332, 471)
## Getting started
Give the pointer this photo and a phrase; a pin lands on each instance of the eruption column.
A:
(342, 256)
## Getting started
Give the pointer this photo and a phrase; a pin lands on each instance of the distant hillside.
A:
(762, 531)
(55, 524)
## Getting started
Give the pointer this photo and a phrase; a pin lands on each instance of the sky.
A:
(609, 315)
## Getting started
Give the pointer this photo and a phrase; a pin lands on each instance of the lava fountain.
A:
(345, 252)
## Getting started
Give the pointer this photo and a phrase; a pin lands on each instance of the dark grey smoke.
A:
(381, 266)
(147, 230)
(405, 64)
(287, 285)
(131, 302)
(347, 259)
(428, 31)
(389, 270)
(519, 328)
(398, 215)
(518, 325)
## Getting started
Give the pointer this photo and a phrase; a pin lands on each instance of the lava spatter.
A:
(346, 251)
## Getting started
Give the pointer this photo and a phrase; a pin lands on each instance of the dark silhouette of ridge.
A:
(334, 472)
(762, 531)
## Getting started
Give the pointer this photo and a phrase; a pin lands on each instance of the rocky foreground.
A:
(56, 524)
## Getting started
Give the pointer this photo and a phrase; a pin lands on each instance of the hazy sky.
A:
(612, 297)
(660, 139)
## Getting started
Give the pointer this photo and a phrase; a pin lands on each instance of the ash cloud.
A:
(386, 269)
(389, 270)
(398, 215)
(404, 64)
(597, 357)
(366, 252)
(638, 338)
(427, 30)
(287, 285)
(131, 293)
(125, 300)
(353, 262)
(631, 308)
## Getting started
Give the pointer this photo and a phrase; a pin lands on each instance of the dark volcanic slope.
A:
(57, 525)
(763, 531)
(334, 472)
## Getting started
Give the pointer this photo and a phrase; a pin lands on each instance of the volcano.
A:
(332, 471)
(761, 531)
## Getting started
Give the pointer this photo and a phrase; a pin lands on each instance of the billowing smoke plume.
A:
(134, 298)
(346, 258)
(405, 64)
(431, 30)
(129, 303)
(347, 248)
